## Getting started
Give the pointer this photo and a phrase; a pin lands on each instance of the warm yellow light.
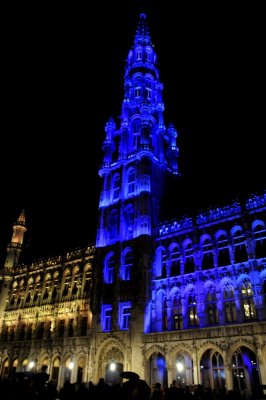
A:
(179, 366)
(71, 365)
(112, 366)
(31, 364)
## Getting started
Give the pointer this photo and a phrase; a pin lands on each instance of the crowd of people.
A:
(38, 387)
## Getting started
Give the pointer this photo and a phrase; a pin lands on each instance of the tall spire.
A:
(14, 248)
(142, 34)
(21, 219)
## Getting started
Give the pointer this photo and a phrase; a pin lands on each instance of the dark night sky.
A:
(62, 78)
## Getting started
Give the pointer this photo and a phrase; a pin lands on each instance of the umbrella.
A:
(129, 375)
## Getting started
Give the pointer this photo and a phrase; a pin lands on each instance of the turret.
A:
(14, 249)
(15, 246)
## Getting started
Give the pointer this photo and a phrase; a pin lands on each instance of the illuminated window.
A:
(131, 182)
(193, 319)
(229, 303)
(177, 312)
(87, 284)
(247, 301)
(238, 370)
(47, 288)
(129, 221)
(124, 315)
(37, 289)
(127, 265)
(116, 187)
(211, 306)
(106, 317)
(164, 268)
(218, 371)
(139, 54)
(29, 291)
(76, 281)
(148, 91)
(109, 269)
(66, 284)
(149, 56)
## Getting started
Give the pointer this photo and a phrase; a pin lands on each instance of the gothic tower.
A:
(14, 250)
(138, 155)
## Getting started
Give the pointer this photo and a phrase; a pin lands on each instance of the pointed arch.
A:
(109, 268)
(127, 264)
(159, 269)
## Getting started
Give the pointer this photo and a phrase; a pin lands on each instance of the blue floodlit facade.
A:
(180, 300)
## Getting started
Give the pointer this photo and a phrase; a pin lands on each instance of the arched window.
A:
(22, 290)
(240, 252)
(124, 315)
(223, 251)
(109, 269)
(238, 369)
(193, 319)
(175, 262)
(148, 89)
(47, 287)
(116, 187)
(177, 312)
(137, 86)
(248, 301)
(37, 289)
(128, 221)
(218, 371)
(126, 268)
(55, 285)
(207, 260)
(131, 182)
(55, 370)
(160, 263)
(76, 281)
(136, 133)
(87, 278)
(164, 266)
(14, 293)
(211, 306)
(260, 241)
(29, 290)
(229, 303)
(189, 259)
(106, 317)
(66, 283)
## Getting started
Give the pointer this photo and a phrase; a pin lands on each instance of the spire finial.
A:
(142, 34)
